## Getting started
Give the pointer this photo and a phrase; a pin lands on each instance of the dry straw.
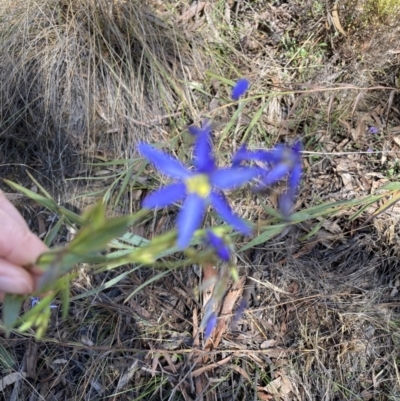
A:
(86, 74)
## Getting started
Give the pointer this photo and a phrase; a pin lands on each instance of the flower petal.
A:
(232, 177)
(189, 219)
(165, 163)
(240, 155)
(206, 128)
(274, 155)
(295, 177)
(275, 174)
(219, 245)
(296, 172)
(203, 158)
(286, 202)
(297, 147)
(165, 196)
(210, 325)
(223, 209)
(240, 88)
(243, 154)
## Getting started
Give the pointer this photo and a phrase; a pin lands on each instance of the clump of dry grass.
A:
(79, 76)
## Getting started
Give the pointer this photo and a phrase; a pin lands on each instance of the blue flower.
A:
(198, 188)
(281, 162)
(287, 162)
(221, 248)
(240, 88)
(287, 200)
(36, 300)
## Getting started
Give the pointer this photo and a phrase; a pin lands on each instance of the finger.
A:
(36, 275)
(18, 244)
(14, 279)
(9, 209)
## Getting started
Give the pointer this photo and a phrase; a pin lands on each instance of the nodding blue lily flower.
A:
(240, 88)
(287, 200)
(282, 161)
(218, 244)
(199, 187)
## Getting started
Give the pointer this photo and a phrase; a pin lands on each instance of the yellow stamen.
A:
(198, 184)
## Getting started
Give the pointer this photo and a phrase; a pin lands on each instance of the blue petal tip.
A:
(211, 323)
(240, 88)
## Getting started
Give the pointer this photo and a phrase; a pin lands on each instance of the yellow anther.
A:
(198, 184)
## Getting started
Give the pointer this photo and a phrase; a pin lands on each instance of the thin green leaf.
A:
(125, 182)
(95, 238)
(267, 234)
(58, 262)
(7, 361)
(314, 230)
(108, 284)
(391, 186)
(254, 121)
(220, 78)
(387, 204)
(271, 211)
(360, 211)
(11, 308)
(53, 232)
(42, 189)
(113, 162)
(134, 239)
(42, 323)
(329, 205)
(96, 215)
(49, 203)
(151, 280)
(33, 317)
(230, 123)
(299, 217)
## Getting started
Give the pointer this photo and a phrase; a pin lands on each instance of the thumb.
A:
(14, 279)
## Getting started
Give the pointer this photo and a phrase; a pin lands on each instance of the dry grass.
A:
(88, 77)
(323, 321)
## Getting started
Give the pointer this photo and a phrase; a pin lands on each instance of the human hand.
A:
(19, 248)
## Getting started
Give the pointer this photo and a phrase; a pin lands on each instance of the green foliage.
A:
(382, 11)
(99, 234)
(305, 55)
